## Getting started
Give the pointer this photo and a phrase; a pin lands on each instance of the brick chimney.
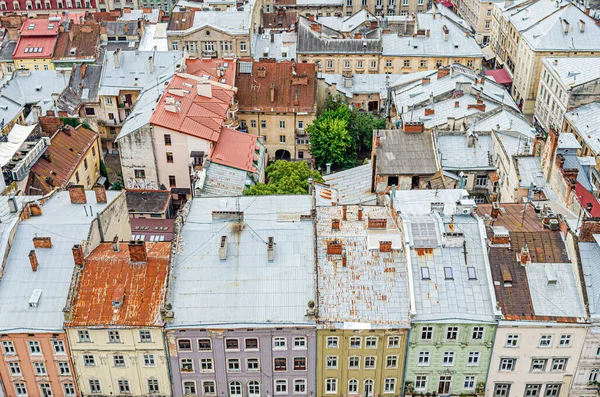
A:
(377, 223)
(495, 210)
(35, 209)
(385, 246)
(100, 191)
(425, 80)
(33, 260)
(78, 255)
(335, 224)
(456, 104)
(344, 212)
(137, 251)
(373, 25)
(316, 27)
(414, 127)
(311, 17)
(478, 106)
(524, 256)
(429, 111)
(360, 213)
(334, 248)
(442, 73)
(42, 242)
(77, 194)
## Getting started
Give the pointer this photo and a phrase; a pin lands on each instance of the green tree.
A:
(74, 122)
(285, 177)
(361, 126)
(331, 142)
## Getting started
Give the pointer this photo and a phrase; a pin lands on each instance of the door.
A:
(444, 385)
(368, 388)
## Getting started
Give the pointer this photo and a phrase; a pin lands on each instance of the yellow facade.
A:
(88, 169)
(356, 359)
(136, 364)
(34, 64)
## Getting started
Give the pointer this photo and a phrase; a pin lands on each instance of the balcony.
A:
(209, 54)
(379, 7)
(232, 122)
(300, 132)
(110, 123)
(234, 107)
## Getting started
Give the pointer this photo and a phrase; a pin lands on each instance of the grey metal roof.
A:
(401, 153)
(66, 224)
(155, 35)
(121, 28)
(246, 289)
(73, 95)
(372, 288)
(583, 177)
(223, 181)
(456, 154)
(534, 12)
(530, 171)
(459, 298)
(572, 72)
(590, 258)
(585, 119)
(349, 23)
(560, 298)
(7, 49)
(330, 42)
(414, 202)
(283, 44)
(235, 21)
(352, 186)
(566, 140)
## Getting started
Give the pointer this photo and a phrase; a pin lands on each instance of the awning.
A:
(446, 3)
(488, 53)
(501, 76)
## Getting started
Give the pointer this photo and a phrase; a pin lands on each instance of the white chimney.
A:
(223, 248)
(271, 249)
(565, 25)
(581, 26)
(151, 64)
(117, 58)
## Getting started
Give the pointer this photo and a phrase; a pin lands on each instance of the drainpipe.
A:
(406, 359)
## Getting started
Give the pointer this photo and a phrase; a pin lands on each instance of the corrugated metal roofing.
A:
(401, 153)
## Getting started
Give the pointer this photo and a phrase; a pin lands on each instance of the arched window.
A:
(353, 386)
(235, 388)
(253, 389)
(369, 388)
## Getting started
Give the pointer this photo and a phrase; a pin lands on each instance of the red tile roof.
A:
(84, 39)
(235, 149)
(34, 47)
(39, 27)
(67, 149)
(208, 67)
(182, 109)
(585, 197)
(109, 275)
(294, 87)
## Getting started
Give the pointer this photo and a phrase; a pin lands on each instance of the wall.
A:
(136, 151)
(201, 36)
(343, 374)
(26, 362)
(135, 370)
(589, 360)
(32, 63)
(415, 63)
(338, 62)
(265, 353)
(88, 169)
(114, 221)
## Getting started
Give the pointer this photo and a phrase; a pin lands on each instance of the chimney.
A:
(271, 249)
(42, 242)
(223, 248)
(427, 33)
(482, 81)
(456, 104)
(480, 107)
(77, 194)
(117, 58)
(151, 64)
(311, 17)
(413, 127)
(429, 111)
(565, 26)
(425, 80)
(100, 191)
(373, 25)
(33, 260)
(385, 246)
(495, 210)
(116, 245)
(501, 236)
(471, 139)
(446, 32)
(344, 212)
(525, 257)
(272, 92)
(468, 33)
(442, 73)
(334, 248)
(261, 71)
(347, 78)
(126, 27)
(376, 223)
(344, 258)
(137, 252)
(272, 37)
(78, 255)
(360, 213)
(316, 27)
(335, 224)
(581, 26)
(587, 10)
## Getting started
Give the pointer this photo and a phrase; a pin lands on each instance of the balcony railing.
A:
(21, 169)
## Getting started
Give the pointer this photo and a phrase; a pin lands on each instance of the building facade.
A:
(478, 14)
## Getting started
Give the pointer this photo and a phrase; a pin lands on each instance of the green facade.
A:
(458, 360)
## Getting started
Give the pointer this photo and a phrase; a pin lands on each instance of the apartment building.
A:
(44, 7)
(76, 44)
(338, 8)
(503, 34)
(565, 84)
(478, 14)
(37, 240)
(362, 336)
(117, 343)
(257, 335)
(277, 102)
(540, 334)
(35, 46)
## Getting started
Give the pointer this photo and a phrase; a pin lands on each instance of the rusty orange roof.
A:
(108, 275)
(220, 70)
(235, 149)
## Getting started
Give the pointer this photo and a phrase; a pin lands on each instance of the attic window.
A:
(73, 51)
(31, 26)
(425, 273)
(35, 298)
(38, 88)
(448, 273)
(51, 26)
(472, 273)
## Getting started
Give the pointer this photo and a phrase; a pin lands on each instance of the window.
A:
(280, 386)
(282, 124)
(189, 388)
(501, 389)
(34, 347)
(169, 157)
(279, 343)
(391, 362)
(281, 138)
(469, 383)
(512, 340)
(175, 46)
(40, 368)
(438, 63)
(565, 341)
(452, 333)
(15, 368)
(243, 47)
(444, 385)
(186, 365)
(532, 390)
(593, 375)
(21, 389)
(114, 337)
(94, 386)
(8, 347)
(329, 64)
(369, 362)
(299, 386)
(389, 385)
(167, 139)
(300, 342)
(559, 364)
(263, 124)
(448, 358)
(280, 364)
(388, 63)
(124, 386)
(89, 360)
(253, 123)
(233, 365)
(253, 389)
(69, 389)
(552, 390)
(353, 386)
(36, 67)
(63, 368)
(481, 181)
(507, 364)
(204, 345)
(331, 385)
(172, 181)
(546, 341)
(149, 360)
(538, 364)
(423, 63)
(393, 341)
(45, 390)
(235, 388)
(470, 64)
(371, 342)
(119, 360)
(421, 382)
(473, 359)
(407, 63)
(354, 362)
(153, 387)
(426, 333)
(108, 100)
(424, 358)
(477, 333)
(331, 362)
(184, 344)
(252, 364)
(346, 64)
(299, 363)
(355, 342)
(208, 388)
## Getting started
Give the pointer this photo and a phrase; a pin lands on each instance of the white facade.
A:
(589, 365)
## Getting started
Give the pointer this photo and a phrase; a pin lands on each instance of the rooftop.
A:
(360, 19)
(365, 285)
(148, 201)
(123, 28)
(34, 47)
(402, 153)
(245, 289)
(223, 181)
(154, 37)
(572, 72)
(151, 15)
(352, 186)
(110, 278)
(277, 87)
(282, 48)
(234, 21)
(40, 27)
(82, 87)
(313, 38)
(512, 129)
(152, 229)
(79, 43)
(461, 151)
(219, 70)
(585, 120)
(53, 275)
(237, 149)
(418, 202)
(590, 257)
(530, 172)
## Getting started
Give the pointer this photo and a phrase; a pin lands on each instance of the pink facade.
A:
(46, 6)
(36, 365)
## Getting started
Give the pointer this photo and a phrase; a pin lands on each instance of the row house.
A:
(337, 8)
(478, 14)
(503, 33)
(117, 342)
(35, 46)
(257, 333)
(364, 302)
(45, 7)
(38, 243)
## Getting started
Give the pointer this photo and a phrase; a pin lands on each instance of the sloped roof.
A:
(585, 119)
(236, 149)
(590, 257)
(83, 39)
(34, 47)
(83, 87)
(401, 153)
(147, 201)
(212, 68)
(457, 155)
(330, 41)
(572, 72)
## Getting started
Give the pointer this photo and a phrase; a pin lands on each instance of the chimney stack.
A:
(137, 252)
(385, 246)
(272, 92)
(116, 245)
(42, 242)
(271, 249)
(360, 213)
(77, 194)
(525, 258)
(151, 64)
(78, 255)
(33, 260)
(344, 212)
(223, 248)
(344, 257)
(335, 224)
(100, 191)
(117, 58)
